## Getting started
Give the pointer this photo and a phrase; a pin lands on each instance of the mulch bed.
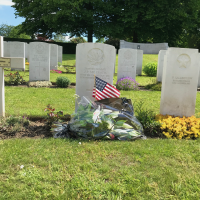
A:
(35, 130)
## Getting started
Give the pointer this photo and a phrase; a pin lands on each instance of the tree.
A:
(5, 30)
(13, 31)
(134, 20)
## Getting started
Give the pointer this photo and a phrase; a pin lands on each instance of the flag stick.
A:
(95, 85)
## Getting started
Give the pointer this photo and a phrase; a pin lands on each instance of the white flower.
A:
(22, 166)
(79, 142)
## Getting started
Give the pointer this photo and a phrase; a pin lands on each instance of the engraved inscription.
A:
(127, 54)
(181, 80)
(184, 61)
(4, 62)
(95, 56)
(39, 49)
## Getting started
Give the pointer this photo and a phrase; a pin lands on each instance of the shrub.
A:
(150, 69)
(179, 128)
(127, 83)
(62, 82)
(15, 79)
(146, 117)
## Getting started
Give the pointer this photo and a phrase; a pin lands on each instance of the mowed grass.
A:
(64, 169)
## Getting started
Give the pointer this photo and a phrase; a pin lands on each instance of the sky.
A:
(7, 15)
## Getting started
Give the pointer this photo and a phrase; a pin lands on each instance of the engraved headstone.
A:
(53, 56)
(161, 55)
(127, 63)
(39, 61)
(60, 53)
(93, 59)
(17, 49)
(6, 63)
(179, 82)
(139, 62)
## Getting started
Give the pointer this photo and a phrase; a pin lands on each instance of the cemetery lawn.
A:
(65, 169)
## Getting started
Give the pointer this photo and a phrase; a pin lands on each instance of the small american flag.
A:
(103, 90)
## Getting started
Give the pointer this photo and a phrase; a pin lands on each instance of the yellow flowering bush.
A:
(179, 128)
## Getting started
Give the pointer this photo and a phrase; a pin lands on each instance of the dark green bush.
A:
(150, 69)
(62, 82)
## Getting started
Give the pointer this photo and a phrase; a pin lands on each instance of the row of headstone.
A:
(179, 77)
(24, 50)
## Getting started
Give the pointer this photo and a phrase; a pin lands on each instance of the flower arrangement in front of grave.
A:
(127, 83)
(15, 78)
(179, 128)
(100, 121)
(56, 71)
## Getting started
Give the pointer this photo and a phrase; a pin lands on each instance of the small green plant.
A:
(62, 82)
(52, 116)
(59, 64)
(15, 78)
(12, 124)
(127, 83)
(147, 117)
(150, 69)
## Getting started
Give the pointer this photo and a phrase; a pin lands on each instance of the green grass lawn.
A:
(64, 169)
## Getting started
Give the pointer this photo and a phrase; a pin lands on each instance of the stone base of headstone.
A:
(39, 84)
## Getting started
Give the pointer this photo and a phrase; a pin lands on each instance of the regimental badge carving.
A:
(95, 56)
(127, 54)
(184, 61)
(39, 48)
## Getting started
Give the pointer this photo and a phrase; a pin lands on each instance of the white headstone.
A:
(161, 55)
(39, 61)
(127, 63)
(6, 49)
(179, 82)
(53, 56)
(93, 59)
(17, 49)
(139, 62)
(60, 53)
(27, 51)
(10, 63)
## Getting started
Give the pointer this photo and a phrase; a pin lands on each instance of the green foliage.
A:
(13, 31)
(62, 82)
(15, 78)
(139, 21)
(77, 40)
(146, 117)
(150, 69)
(5, 30)
(52, 116)
(12, 124)
(100, 40)
(113, 41)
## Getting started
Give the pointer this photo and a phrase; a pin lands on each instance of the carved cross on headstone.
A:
(6, 62)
